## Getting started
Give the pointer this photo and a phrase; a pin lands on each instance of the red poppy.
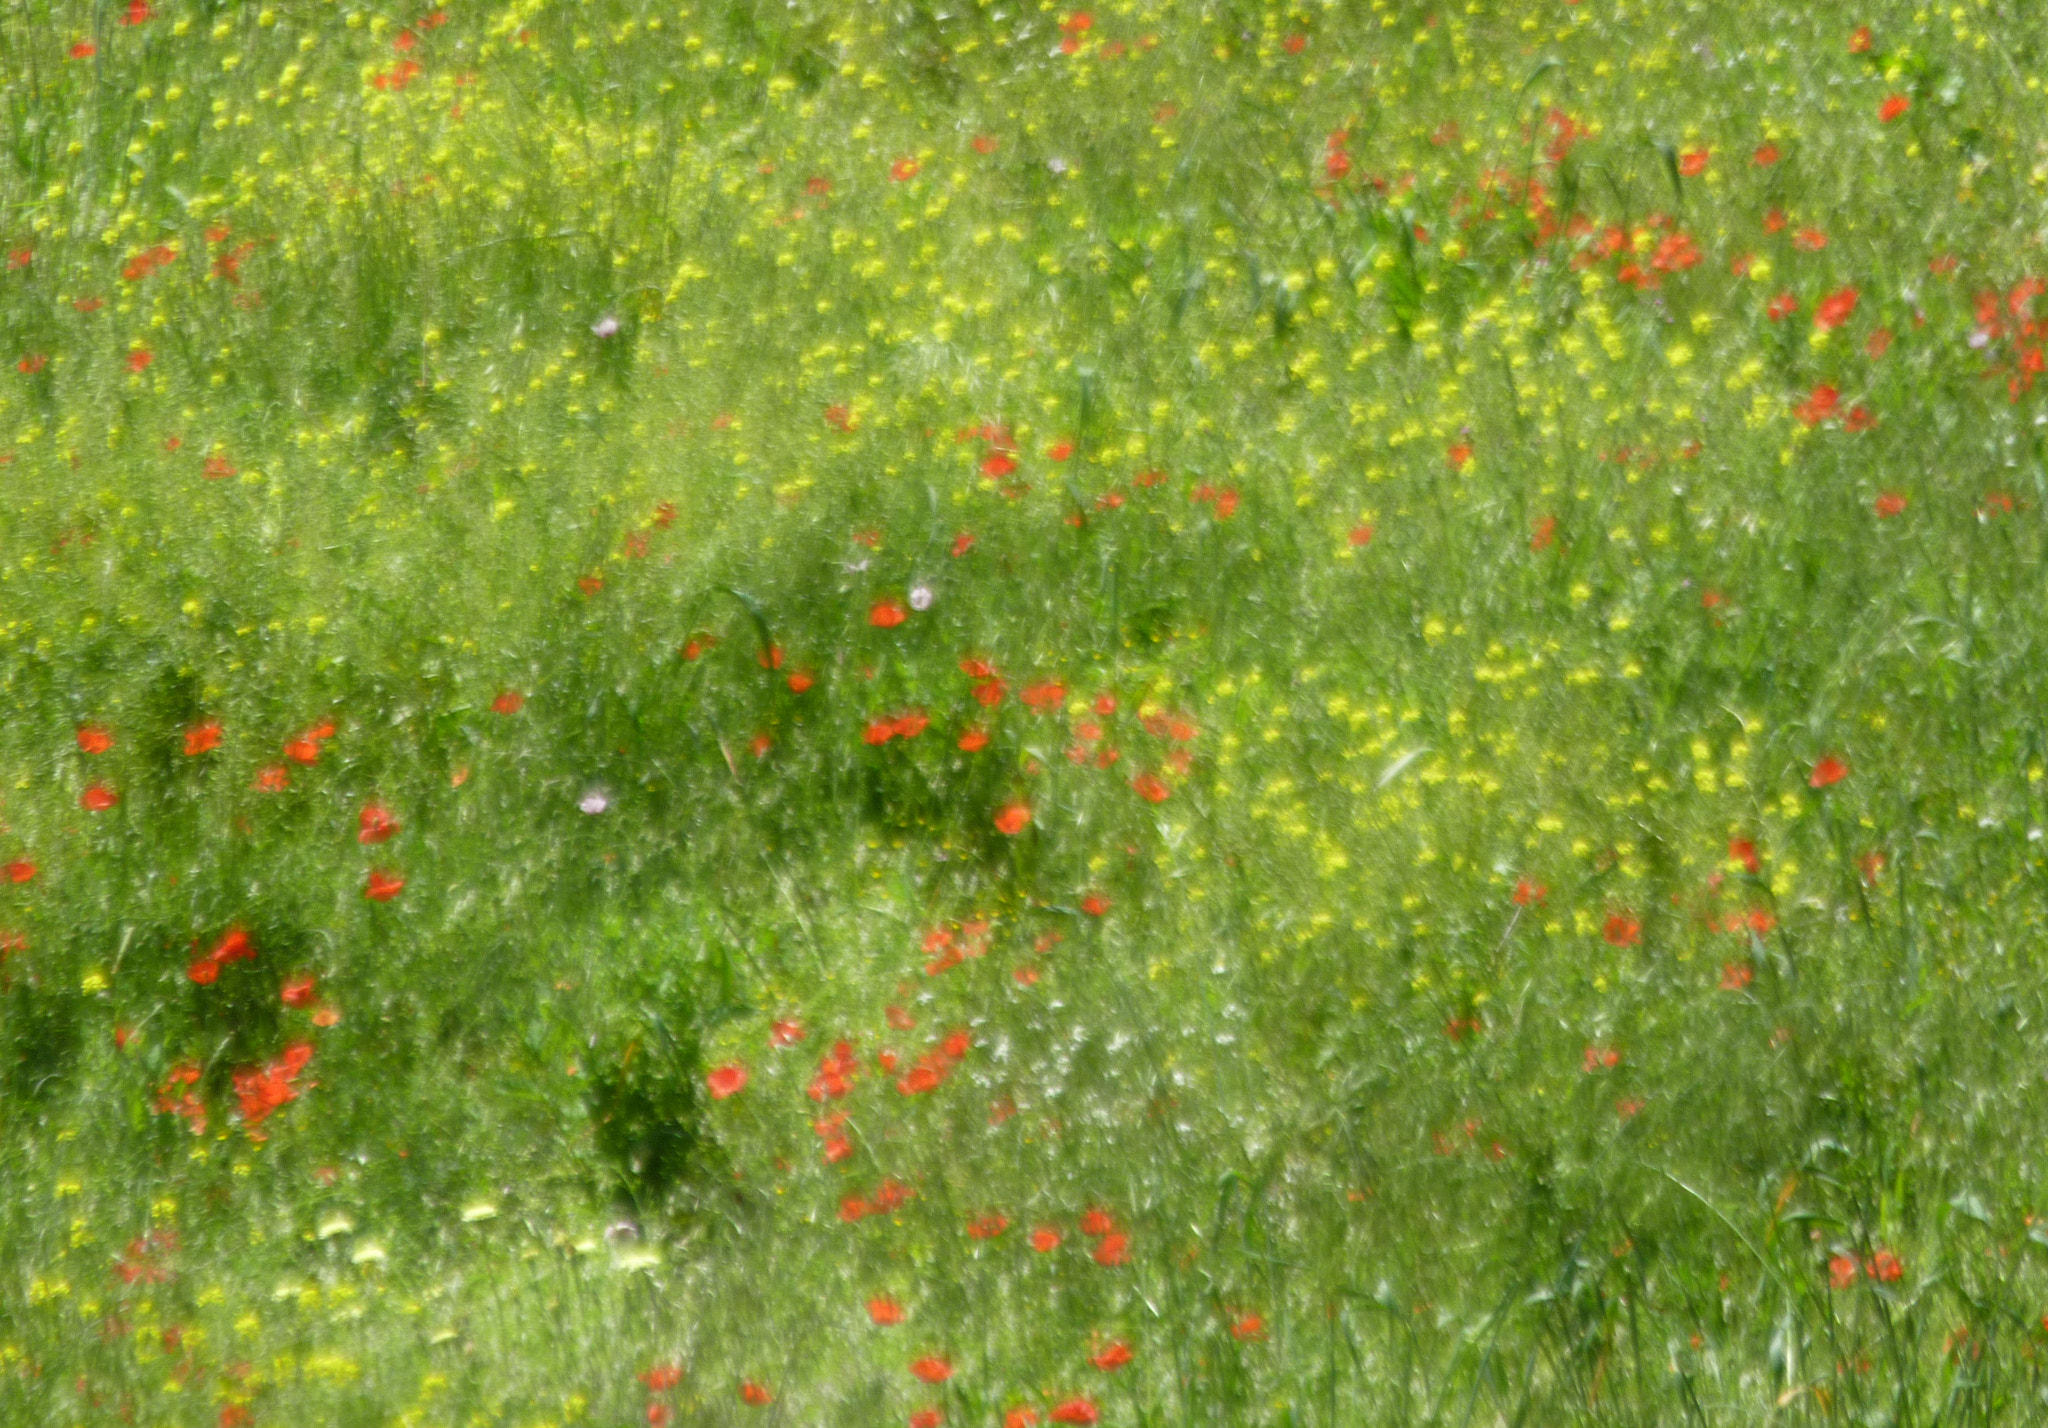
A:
(84, 49)
(98, 798)
(375, 824)
(886, 613)
(755, 1395)
(234, 946)
(1743, 851)
(662, 1377)
(1834, 309)
(93, 739)
(904, 169)
(1080, 1412)
(1765, 155)
(1013, 817)
(1045, 1239)
(1735, 976)
(383, 886)
(1809, 240)
(973, 741)
(1819, 405)
(726, 1081)
(1528, 892)
(1361, 535)
(996, 465)
(1250, 1327)
(885, 1311)
(202, 738)
(298, 991)
(962, 543)
(20, 870)
(932, 1370)
(879, 731)
(1623, 929)
(909, 726)
(1544, 533)
(1095, 904)
(139, 359)
(928, 1417)
(1151, 787)
(1693, 162)
(510, 701)
(1113, 1357)
(1860, 418)
(1884, 1267)
(1890, 503)
(1842, 1271)
(273, 779)
(1781, 306)
(1830, 770)
(1893, 106)
(1859, 41)
(204, 971)
(303, 751)
(786, 1032)
(1097, 1221)
(800, 680)
(984, 143)
(1601, 1058)
(32, 364)
(988, 1227)
(1044, 696)
(1113, 1250)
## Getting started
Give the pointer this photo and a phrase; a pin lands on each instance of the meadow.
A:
(962, 712)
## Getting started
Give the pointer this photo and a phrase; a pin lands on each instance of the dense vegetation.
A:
(980, 713)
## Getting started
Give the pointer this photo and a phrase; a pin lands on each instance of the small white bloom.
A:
(596, 801)
(920, 597)
(605, 326)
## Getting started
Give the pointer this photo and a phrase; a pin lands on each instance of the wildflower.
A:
(1079, 1412)
(726, 1081)
(20, 870)
(1544, 534)
(1013, 817)
(987, 1227)
(1830, 770)
(1743, 851)
(509, 701)
(1112, 1357)
(1765, 155)
(904, 169)
(1151, 787)
(383, 885)
(1045, 1239)
(962, 543)
(375, 824)
(1893, 106)
(1095, 904)
(932, 1370)
(93, 739)
(1834, 309)
(754, 1395)
(1528, 893)
(1693, 162)
(98, 798)
(1884, 1267)
(1889, 504)
(920, 598)
(605, 327)
(1842, 1271)
(973, 741)
(1601, 1058)
(1735, 976)
(1622, 929)
(786, 1032)
(1249, 1328)
(1361, 535)
(1097, 1222)
(886, 614)
(594, 802)
(1113, 1250)
(1859, 40)
(202, 738)
(298, 991)
(1819, 405)
(928, 1417)
(273, 779)
(885, 1311)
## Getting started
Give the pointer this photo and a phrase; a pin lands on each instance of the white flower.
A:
(595, 802)
(920, 597)
(605, 326)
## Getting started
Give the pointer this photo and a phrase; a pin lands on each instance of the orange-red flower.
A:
(932, 1369)
(383, 885)
(202, 738)
(1013, 817)
(94, 739)
(1830, 770)
(885, 1311)
(1112, 1357)
(726, 1081)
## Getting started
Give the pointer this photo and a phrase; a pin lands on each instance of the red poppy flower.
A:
(298, 991)
(909, 726)
(202, 738)
(1113, 1250)
(1819, 405)
(1112, 1358)
(1809, 240)
(1735, 976)
(996, 465)
(234, 946)
(1842, 1271)
(1884, 1267)
(303, 751)
(1880, 343)
(988, 1227)
(33, 363)
(1601, 1058)
(800, 680)
(383, 886)
(1151, 787)
(1013, 817)
(1045, 1239)
(726, 1081)
(20, 870)
(1095, 904)
(973, 741)
(984, 143)
(904, 169)
(273, 779)
(932, 1370)
(1830, 770)
(1889, 504)
(1097, 1221)
(139, 359)
(1834, 309)
(98, 798)
(1527, 892)
(787, 1032)
(754, 1395)
(1544, 533)
(1622, 929)
(1859, 40)
(1361, 535)
(1079, 1412)
(1743, 851)
(204, 971)
(1781, 306)
(94, 739)
(879, 731)
(662, 1377)
(885, 1311)
(1250, 1327)
(375, 824)
(1860, 418)
(84, 49)
(1893, 106)
(928, 1417)
(962, 543)
(1765, 155)
(1693, 162)
(886, 613)
(510, 701)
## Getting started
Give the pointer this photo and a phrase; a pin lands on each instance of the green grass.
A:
(1498, 544)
